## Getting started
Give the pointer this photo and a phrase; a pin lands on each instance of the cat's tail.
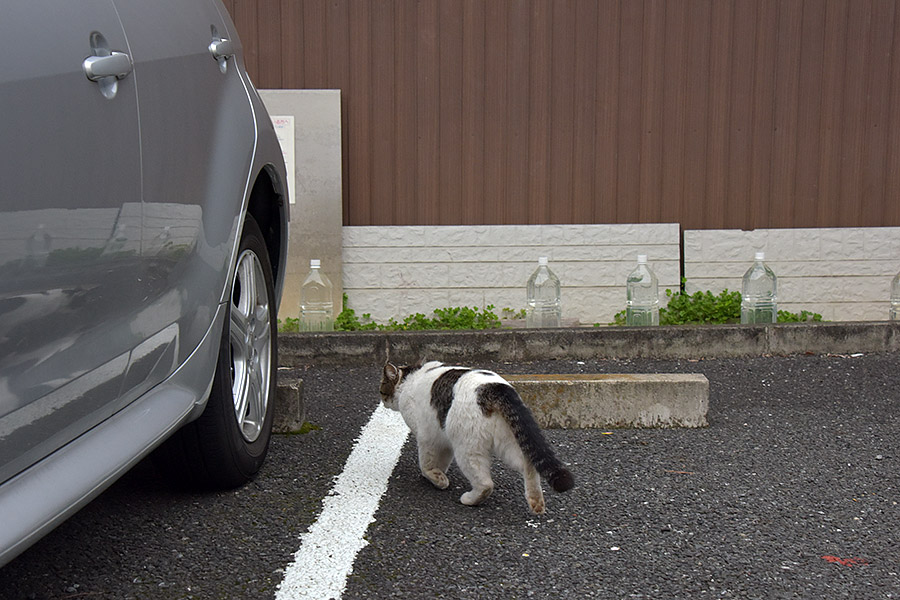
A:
(502, 398)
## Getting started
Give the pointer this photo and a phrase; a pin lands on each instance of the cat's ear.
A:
(391, 372)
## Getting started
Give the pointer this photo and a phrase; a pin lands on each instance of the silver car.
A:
(143, 238)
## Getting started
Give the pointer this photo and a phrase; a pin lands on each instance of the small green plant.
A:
(703, 308)
(803, 316)
(345, 321)
(447, 318)
(700, 308)
(348, 321)
(443, 318)
(307, 427)
(289, 325)
(511, 313)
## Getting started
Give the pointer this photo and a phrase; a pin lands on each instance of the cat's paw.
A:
(536, 505)
(438, 479)
(474, 498)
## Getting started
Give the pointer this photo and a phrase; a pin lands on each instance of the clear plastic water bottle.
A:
(895, 298)
(642, 295)
(316, 304)
(543, 298)
(759, 293)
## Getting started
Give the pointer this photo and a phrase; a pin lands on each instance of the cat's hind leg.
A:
(533, 492)
(433, 462)
(476, 466)
(512, 455)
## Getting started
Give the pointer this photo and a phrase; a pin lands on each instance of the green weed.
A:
(704, 308)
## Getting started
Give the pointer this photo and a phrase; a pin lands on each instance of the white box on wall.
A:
(317, 205)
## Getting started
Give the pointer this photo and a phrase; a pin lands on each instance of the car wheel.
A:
(225, 447)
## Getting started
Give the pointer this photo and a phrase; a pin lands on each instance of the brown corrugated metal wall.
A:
(708, 113)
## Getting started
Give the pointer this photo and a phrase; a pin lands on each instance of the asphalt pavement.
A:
(791, 492)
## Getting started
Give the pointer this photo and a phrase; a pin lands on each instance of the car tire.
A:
(226, 446)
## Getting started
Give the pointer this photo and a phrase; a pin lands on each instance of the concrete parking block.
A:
(290, 411)
(584, 401)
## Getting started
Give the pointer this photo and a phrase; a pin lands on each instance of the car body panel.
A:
(198, 138)
(268, 154)
(67, 258)
(31, 502)
(120, 218)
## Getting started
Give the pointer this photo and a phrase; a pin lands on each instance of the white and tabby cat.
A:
(472, 415)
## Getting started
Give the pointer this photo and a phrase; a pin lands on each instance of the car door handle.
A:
(116, 64)
(221, 49)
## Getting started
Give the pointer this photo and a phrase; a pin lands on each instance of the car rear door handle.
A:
(116, 64)
(221, 49)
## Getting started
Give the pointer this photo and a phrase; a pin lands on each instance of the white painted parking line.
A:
(328, 550)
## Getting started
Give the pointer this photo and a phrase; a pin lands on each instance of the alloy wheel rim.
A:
(251, 338)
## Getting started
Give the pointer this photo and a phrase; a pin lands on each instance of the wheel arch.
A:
(268, 207)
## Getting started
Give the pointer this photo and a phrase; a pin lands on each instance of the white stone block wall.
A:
(392, 272)
(843, 273)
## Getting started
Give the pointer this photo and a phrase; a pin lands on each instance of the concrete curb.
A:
(522, 345)
(592, 401)
(642, 401)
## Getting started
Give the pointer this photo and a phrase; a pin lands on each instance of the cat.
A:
(472, 415)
